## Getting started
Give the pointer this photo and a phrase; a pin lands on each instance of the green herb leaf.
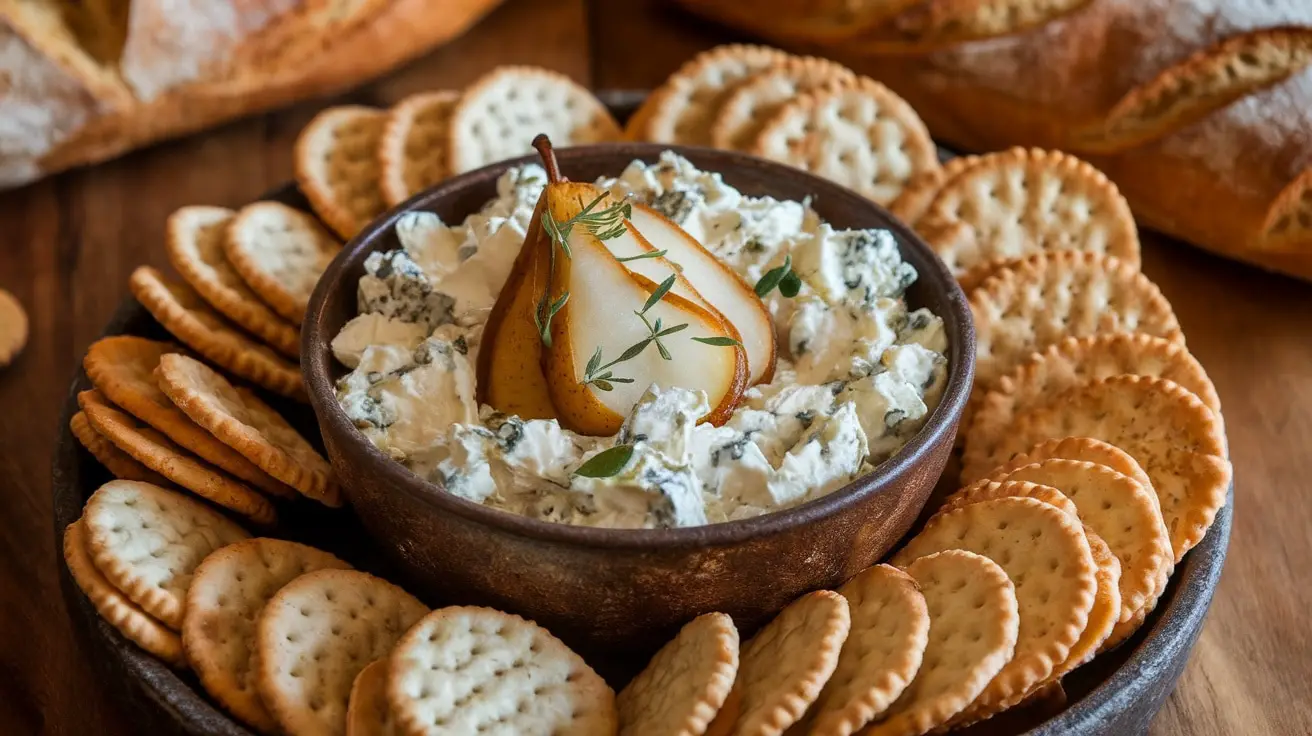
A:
(593, 363)
(790, 285)
(606, 463)
(660, 292)
(772, 277)
(640, 256)
(661, 349)
(557, 305)
(602, 384)
(620, 380)
(719, 342)
(672, 330)
(633, 351)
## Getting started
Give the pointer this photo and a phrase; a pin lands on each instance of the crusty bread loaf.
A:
(89, 80)
(1199, 110)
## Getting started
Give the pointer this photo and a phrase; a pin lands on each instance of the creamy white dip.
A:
(858, 373)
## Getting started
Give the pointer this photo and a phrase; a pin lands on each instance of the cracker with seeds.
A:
(122, 367)
(785, 666)
(466, 669)
(883, 651)
(147, 541)
(756, 99)
(1046, 554)
(183, 313)
(1170, 432)
(973, 624)
(367, 713)
(336, 162)
(13, 328)
(1085, 449)
(241, 421)
(921, 189)
(115, 608)
(498, 116)
(119, 464)
(685, 684)
(860, 135)
(157, 452)
(195, 246)
(315, 636)
(412, 153)
(280, 253)
(227, 592)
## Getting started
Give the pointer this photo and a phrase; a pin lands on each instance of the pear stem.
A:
(543, 145)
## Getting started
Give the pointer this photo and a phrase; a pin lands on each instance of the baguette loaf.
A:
(82, 82)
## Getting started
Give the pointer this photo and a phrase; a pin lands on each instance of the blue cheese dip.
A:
(858, 372)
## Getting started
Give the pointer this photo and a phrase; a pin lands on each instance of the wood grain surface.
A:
(69, 243)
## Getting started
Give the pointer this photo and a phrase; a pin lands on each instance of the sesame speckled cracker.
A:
(684, 109)
(682, 688)
(860, 135)
(157, 452)
(182, 312)
(148, 541)
(498, 116)
(756, 99)
(315, 635)
(784, 667)
(919, 192)
(336, 163)
(127, 617)
(1046, 554)
(122, 368)
(883, 651)
(13, 328)
(227, 592)
(973, 623)
(195, 245)
(280, 252)
(120, 464)
(1170, 432)
(412, 154)
(367, 713)
(472, 670)
(249, 426)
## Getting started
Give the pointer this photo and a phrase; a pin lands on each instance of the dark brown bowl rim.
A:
(316, 361)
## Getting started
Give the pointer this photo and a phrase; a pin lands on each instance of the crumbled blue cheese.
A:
(371, 328)
(434, 247)
(832, 341)
(855, 267)
(652, 491)
(397, 288)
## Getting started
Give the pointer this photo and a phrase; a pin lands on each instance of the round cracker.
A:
(784, 667)
(1106, 609)
(13, 328)
(247, 425)
(195, 244)
(860, 135)
(1170, 432)
(1085, 449)
(679, 692)
(120, 464)
(883, 651)
(122, 367)
(1046, 554)
(127, 617)
(412, 154)
(280, 253)
(921, 189)
(466, 669)
(684, 108)
(157, 452)
(499, 115)
(147, 541)
(367, 713)
(987, 490)
(227, 592)
(758, 98)
(336, 163)
(182, 312)
(315, 636)
(973, 622)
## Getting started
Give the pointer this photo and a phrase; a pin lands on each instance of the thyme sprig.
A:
(605, 224)
(784, 277)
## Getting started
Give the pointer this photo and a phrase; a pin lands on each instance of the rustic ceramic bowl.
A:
(622, 591)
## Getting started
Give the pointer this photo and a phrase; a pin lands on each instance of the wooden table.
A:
(69, 243)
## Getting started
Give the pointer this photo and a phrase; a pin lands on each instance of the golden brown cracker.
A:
(367, 712)
(684, 685)
(412, 154)
(684, 108)
(280, 252)
(757, 98)
(118, 463)
(336, 162)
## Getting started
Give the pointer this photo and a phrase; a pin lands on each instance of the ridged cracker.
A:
(315, 635)
(367, 713)
(987, 490)
(681, 689)
(784, 667)
(249, 426)
(1046, 555)
(1086, 449)
(756, 99)
(195, 245)
(883, 651)
(919, 192)
(115, 608)
(148, 541)
(122, 368)
(336, 162)
(412, 153)
(182, 312)
(1051, 296)
(13, 328)
(1106, 610)
(119, 464)
(1167, 430)
(157, 452)
(280, 253)
(860, 135)
(684, 108)
(973, 624)
(500, 113)
(227, 592)
(466, 669)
